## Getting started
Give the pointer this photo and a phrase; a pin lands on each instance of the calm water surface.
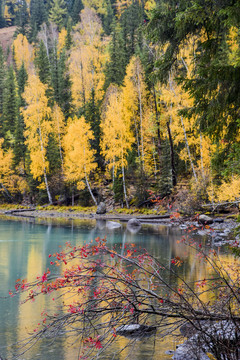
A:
(24, 250)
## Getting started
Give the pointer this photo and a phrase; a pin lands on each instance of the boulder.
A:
(101, 208)
(205, 220)
(113, 224)
(134, 223)
(136, 330)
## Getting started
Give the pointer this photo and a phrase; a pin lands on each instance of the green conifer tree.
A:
(108, 18)
(115, 70)
(19, 149)
(43, 65)
(38, 16)
(92, 115)
(76, 8)
(10, 107)
(58, 13)
(131, 21)
(22, 17)
(64, 95)
(2, 20)
(69, 40)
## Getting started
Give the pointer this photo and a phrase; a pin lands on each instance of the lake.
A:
(24, 248)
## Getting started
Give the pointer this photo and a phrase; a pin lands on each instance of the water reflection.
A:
(24, 248)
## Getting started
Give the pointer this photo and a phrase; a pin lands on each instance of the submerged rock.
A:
(134, 225)
(136, 330)
(113, 224)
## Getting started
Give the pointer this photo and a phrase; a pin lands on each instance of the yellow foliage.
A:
(87, 59)
(5, 165)
(99, 5)
(58, 121)
(79, 157)
(233, 44)
(62, 39)
(137, 110)
(38, 125)
(229, 190)
(23, 52)
(117, 136)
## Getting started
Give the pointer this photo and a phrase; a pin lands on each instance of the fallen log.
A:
(9, 212)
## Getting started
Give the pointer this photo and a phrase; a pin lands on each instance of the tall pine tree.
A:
(10, 107)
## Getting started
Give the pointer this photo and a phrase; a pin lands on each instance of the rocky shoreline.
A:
(218, 230)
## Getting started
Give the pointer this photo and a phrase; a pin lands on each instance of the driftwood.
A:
(226, 204)
(9, 212)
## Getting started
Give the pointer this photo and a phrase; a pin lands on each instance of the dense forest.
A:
(136, 96)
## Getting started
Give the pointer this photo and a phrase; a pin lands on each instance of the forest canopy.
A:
(136, 96)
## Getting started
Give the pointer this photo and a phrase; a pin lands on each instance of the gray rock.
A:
(134, 223)
(195, 347)
(113, 224)
(136, 330)
(101, 208)
(218, 220)
(205, 220)
(189, 351)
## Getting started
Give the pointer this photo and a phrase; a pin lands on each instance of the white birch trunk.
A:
(188, 150)
(141, 113)
(124, 187)
(44, 166)
(89, 189)
(201, 155)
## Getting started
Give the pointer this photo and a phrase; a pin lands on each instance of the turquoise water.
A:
(24, 250)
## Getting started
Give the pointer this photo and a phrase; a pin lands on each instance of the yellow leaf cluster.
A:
(229, 190)
(137, 109)
(62, 39)
(117, 136)
(79, 157)
(87, 59)
(38, 125)
(23, 52)
(233, 44)
(5, 164)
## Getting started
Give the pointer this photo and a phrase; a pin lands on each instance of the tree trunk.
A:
(174, 173)
(47, 187)
(72, 196)
(44, 167)
(89, 189)
(159, 142)
(124, 187)
(188, 150)
(141, 114)
(201, 154)
(6, 192)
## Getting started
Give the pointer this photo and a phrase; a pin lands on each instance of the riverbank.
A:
(221, 228)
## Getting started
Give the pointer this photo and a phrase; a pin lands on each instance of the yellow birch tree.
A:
(23, 52)
(59, 128)
(87, 59)
(137, 109)
(38, 128)
(117, 136)
(79, 157)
